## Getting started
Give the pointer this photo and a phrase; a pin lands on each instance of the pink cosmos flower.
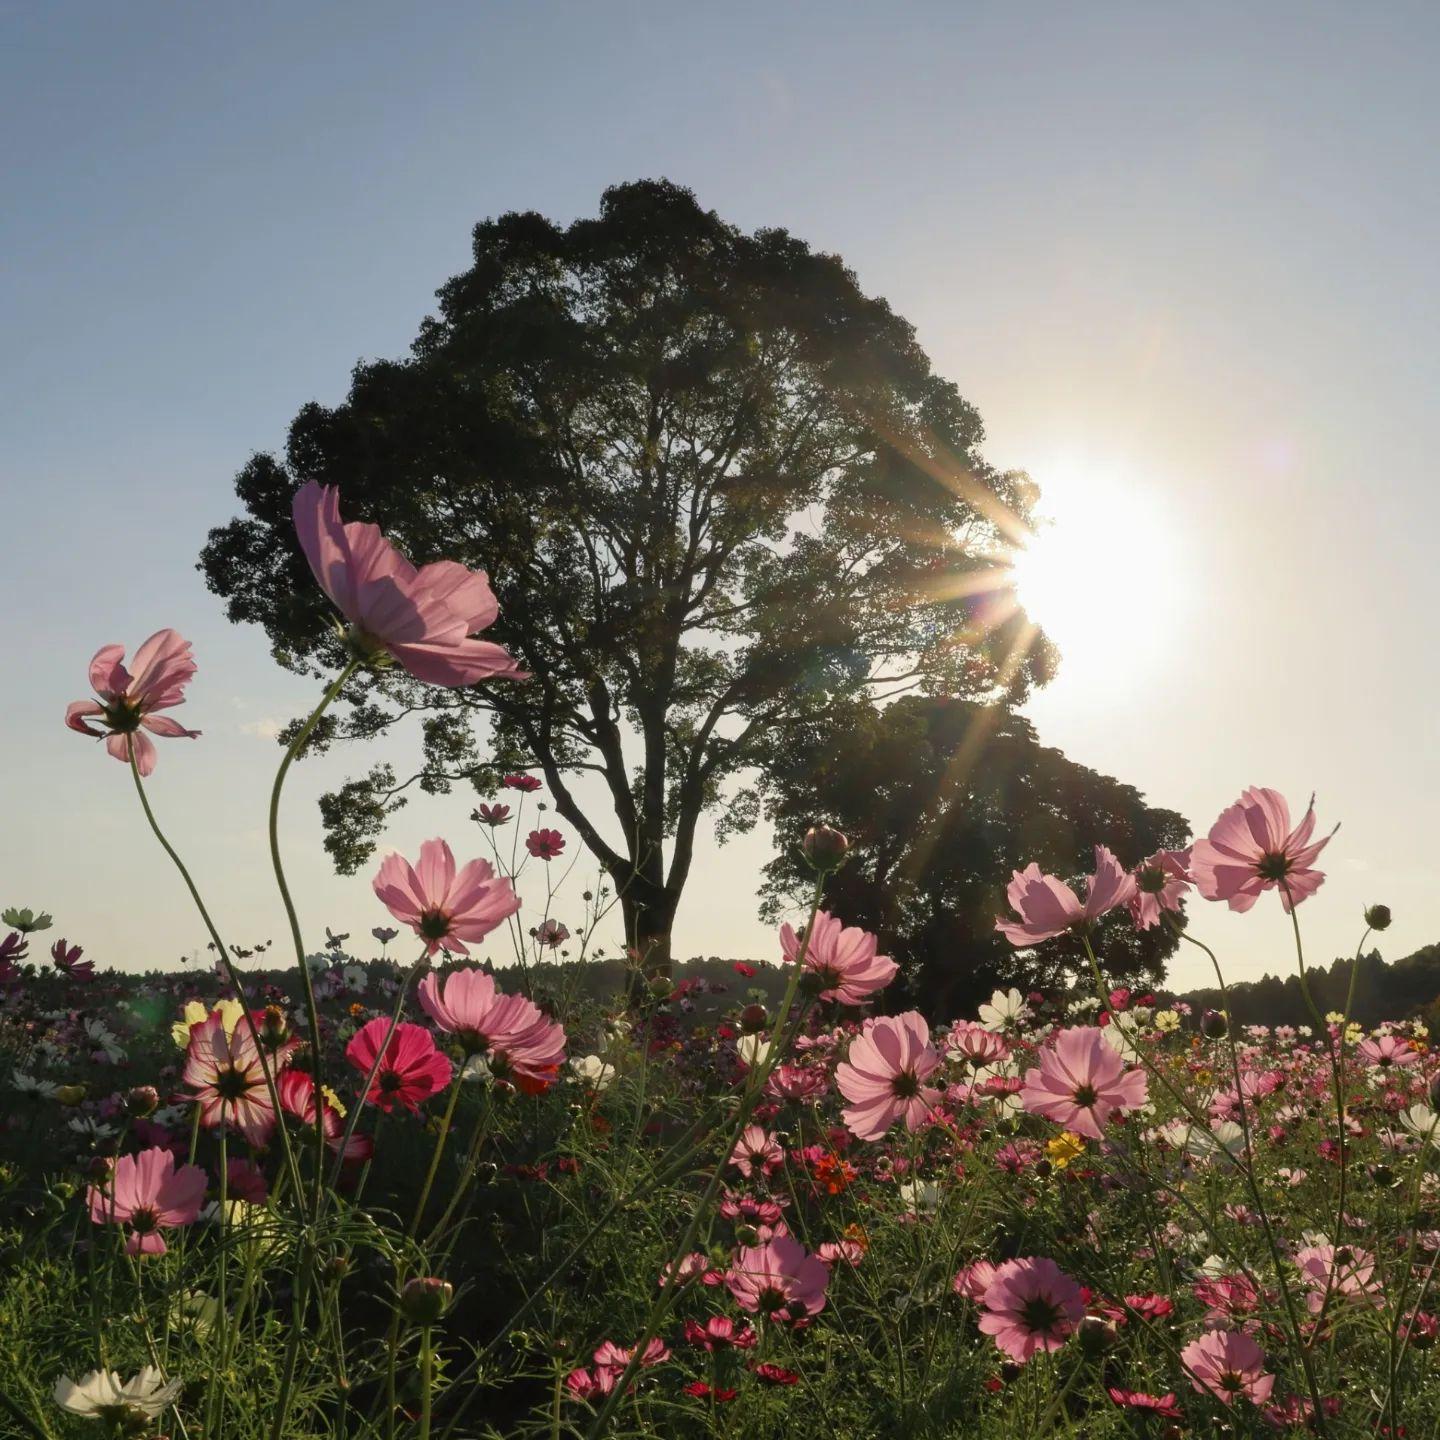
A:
(1080, 1081)
(526, 784)
(296, 1090)
(1329, 1275)
(797, 1082)
(127, 703)
(68, 962)
(779, 1279)
(1387, 1052)
(1031, 1305)
(149, 1194)
(227, 1076)
(884, 1075)
(1161, 880)
(1165, 1406)
(1048, 907)
(520, 1042)
(411, 1070)
(756, 1149)
(973, 1280)
(545, 844)
(442, 907)
(423, 618)
(720, 1332)
(840, 959)
(1252, 848)
(1227, 1364)
(492, 815)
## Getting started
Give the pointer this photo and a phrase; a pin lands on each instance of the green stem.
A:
(427, 1377)
(231, 973)
(311, 1009)
(435, 1155)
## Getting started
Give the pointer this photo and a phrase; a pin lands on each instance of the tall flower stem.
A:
(312, 1011)
(231, 973)
(439, 1150)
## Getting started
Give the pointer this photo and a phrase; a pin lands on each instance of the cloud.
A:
(265, 729)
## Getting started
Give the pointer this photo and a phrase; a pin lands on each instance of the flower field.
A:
(356, 1195)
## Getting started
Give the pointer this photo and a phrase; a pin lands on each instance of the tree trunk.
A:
(648, 920)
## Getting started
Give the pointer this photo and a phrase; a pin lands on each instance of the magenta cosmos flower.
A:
(225, 1072)
(1252, 848)
(1227, 1364)
(423, 618)
(840, 959)
(1080, 1081)
(411, 1069)
(779, 1279)
(127, 702)
(443, 907)
(148, 1194)
(757, 1150)
(1161, 881)
(1030, 1305)
(1048, 907)
(884, 1075)
(520, 1042)
(545, 844)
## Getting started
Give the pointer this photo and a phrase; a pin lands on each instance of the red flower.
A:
(741, 968)
(527, 784)
(775, 1374)
(1162, 1405)
(545, 844)
(492, 814)
(411, 1070)
(68, 962)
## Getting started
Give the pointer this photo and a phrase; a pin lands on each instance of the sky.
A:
(1182, 259)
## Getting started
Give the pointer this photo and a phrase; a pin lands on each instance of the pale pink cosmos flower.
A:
(1228, 1364)
(1330, 1274)
(127, 701)
(1387, 1052)
(1081, 1081)
(756, 1149)
(423, 618)
(840, 959)
(1161, 881)
(1029, 1305)
(973, 1280)
(883, 1076)
(225, 1071)
(1048, 907)
(520, 1042)
(779, 1279)
(443, 907)
(1252, 848)
(148, 1193)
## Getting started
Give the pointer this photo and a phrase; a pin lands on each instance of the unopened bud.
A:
(661, 986)
(1377, 917)
(1214, 1025)
(824, 848)
(143, 1100)
(753, 1019)
(425, 1299)
(1097, 1335)
(70, 1094)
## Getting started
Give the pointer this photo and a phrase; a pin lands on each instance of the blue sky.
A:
(1181, 258)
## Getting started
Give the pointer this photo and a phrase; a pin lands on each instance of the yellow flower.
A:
(1064, 1148)
(196, 1011)
(1167, 1020)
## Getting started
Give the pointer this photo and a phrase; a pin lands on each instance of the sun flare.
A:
(1102, 573)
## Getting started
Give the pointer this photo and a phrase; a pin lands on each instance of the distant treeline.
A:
(1398, 991)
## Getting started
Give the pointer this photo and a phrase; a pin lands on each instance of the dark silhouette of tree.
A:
(719, 492)
(942, 799)
(1398, 991)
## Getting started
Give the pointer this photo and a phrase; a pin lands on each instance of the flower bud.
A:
(753, 1019)
(141, 1101)
(1097, 1335)
(661, 987)
(1214, 1025)
(425, 1299)
(824, 847)
(1377, 917)
(71, 1095)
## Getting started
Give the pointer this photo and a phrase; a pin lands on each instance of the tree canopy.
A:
(719, 491)
(942, 799)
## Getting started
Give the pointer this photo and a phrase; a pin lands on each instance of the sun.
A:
(1102, 573)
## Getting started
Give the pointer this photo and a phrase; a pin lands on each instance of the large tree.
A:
(719, 492)
(942, 799)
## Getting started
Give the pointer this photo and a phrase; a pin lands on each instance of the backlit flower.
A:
(148, 1194)
(779, 1279)
(443, 907)
(411, 1069)
(840, 960)
(1048, 907)
(1031, 1305)
(518, 1040)
(101, 1395)
(127, 702)
(424, 619)
(1080, 1081)
(1161, 880)
(1252, 848)
(1228, 1364)
(225, 1072)
(883, 1076)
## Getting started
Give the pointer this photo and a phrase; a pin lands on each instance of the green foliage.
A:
(942, 799)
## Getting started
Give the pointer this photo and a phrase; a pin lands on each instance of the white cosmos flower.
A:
(591, 1070)
(29, 1085)
(1422, 1122)
(1213, 1266)
(92, 1129)
(357, 978)
(101, 1395)
(920, 1197)
(477, 1070)
(1120, 1035)
(753, 1049)
(102, 1039)
(1006, 1009)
